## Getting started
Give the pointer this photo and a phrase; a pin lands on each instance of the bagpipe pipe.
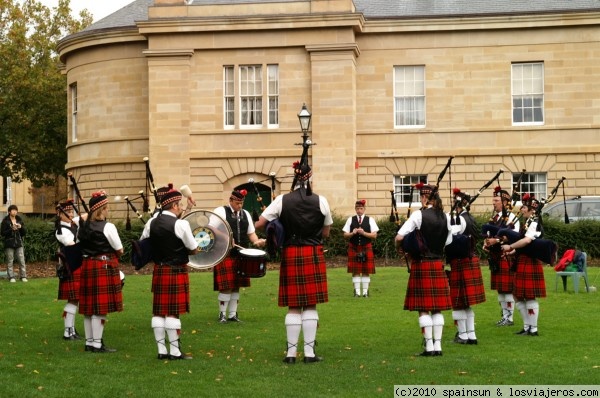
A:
(258, 199)
(150, 184)
(463, 245)
(414, 243)
(131, 206)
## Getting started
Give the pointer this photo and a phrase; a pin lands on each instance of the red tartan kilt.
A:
(358, 267)
(503, 280)
(225, 275)
(529, 279)
(466, 283)
(171, 290)
(428, 288)
(302, 277)
(69, 289)
(100, 287)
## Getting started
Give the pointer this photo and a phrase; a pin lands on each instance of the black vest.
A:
(167, 248)
(435, 231)
(240, 229)
(302, 219)
(365, 225)
(95, 242)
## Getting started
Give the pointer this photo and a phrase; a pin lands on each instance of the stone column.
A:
(333, 108)
(169, 115)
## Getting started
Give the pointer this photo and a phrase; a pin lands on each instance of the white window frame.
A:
(536, 183)
(527, 93)
(251, 96)
(74, 110)
(402, 186)
(273, 96)
(229, 97)
(409, 96)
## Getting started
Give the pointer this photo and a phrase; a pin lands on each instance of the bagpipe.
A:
(258, 199)
(541, 249)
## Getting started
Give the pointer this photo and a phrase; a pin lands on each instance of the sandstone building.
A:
(209, 91)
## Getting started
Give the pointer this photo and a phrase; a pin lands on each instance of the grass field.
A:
(369, 344)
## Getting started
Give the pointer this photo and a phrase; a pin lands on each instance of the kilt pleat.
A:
(503, 279)
(100, 287)
(466, 283)
(361, 267)
(428, 288)
(171, 290)
(302, 277)
(225, 275)
(529, 279)
(68, 289)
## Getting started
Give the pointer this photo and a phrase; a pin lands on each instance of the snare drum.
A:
(252, 263)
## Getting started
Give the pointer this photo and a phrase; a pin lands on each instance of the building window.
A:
(402, 188)
(528, 93)
(409, 96)
(532, 183)
(228, 97)
(273, 93)
(74, 109)
(247, 92)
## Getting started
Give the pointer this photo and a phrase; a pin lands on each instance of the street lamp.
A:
(304, 118)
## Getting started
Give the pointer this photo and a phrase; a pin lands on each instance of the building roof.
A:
(376, 9)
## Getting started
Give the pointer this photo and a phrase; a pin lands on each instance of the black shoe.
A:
(366, 294)
(458, 340)
(103, 349)
(181, 356)
(312, 359)
(426, 354)
(222, 318)
(289, 360)
(163, 356)
(472, 341)
(532, 333)
(356, 294)
(89, 348)
(234, 319)
(71, 337)
(522, 332)
(437, 353)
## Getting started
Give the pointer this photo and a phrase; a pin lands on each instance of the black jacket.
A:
(12, 238)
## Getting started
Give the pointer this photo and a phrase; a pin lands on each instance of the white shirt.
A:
(416, 219)
(372, 224)
(182, 230)
(220, 211)
(273, 211)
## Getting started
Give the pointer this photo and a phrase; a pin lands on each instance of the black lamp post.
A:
(304, 117)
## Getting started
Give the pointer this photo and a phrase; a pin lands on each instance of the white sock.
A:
(523, 311)
(460, 318)
(426, 324)
(87, 328)
(233, 304)
(365, 284)
(158, 325)
(223, 302)
(293, 326)
(533, 312)
(438, 327)
(69, 317)
(356, 282)
(470, 324)
(510, 305)
(173, 328)
(98, 329)
(310, 321)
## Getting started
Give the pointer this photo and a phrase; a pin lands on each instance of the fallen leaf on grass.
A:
(20, 365)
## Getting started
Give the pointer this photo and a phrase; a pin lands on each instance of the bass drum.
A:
(214, 238)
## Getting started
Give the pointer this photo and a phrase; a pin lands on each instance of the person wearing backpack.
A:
(13, 230)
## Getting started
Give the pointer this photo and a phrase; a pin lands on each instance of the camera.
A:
(361, 257)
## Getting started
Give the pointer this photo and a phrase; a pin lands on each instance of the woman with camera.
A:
(13, 231)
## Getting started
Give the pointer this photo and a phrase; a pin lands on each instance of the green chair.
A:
(577, 275)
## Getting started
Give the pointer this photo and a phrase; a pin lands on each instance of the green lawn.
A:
(369, 344)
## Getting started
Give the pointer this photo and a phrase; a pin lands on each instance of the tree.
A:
(33, 98)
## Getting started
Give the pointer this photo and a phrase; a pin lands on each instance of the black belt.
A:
(100, 258)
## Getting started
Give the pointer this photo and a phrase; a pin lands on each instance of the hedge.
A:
(41, 246)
